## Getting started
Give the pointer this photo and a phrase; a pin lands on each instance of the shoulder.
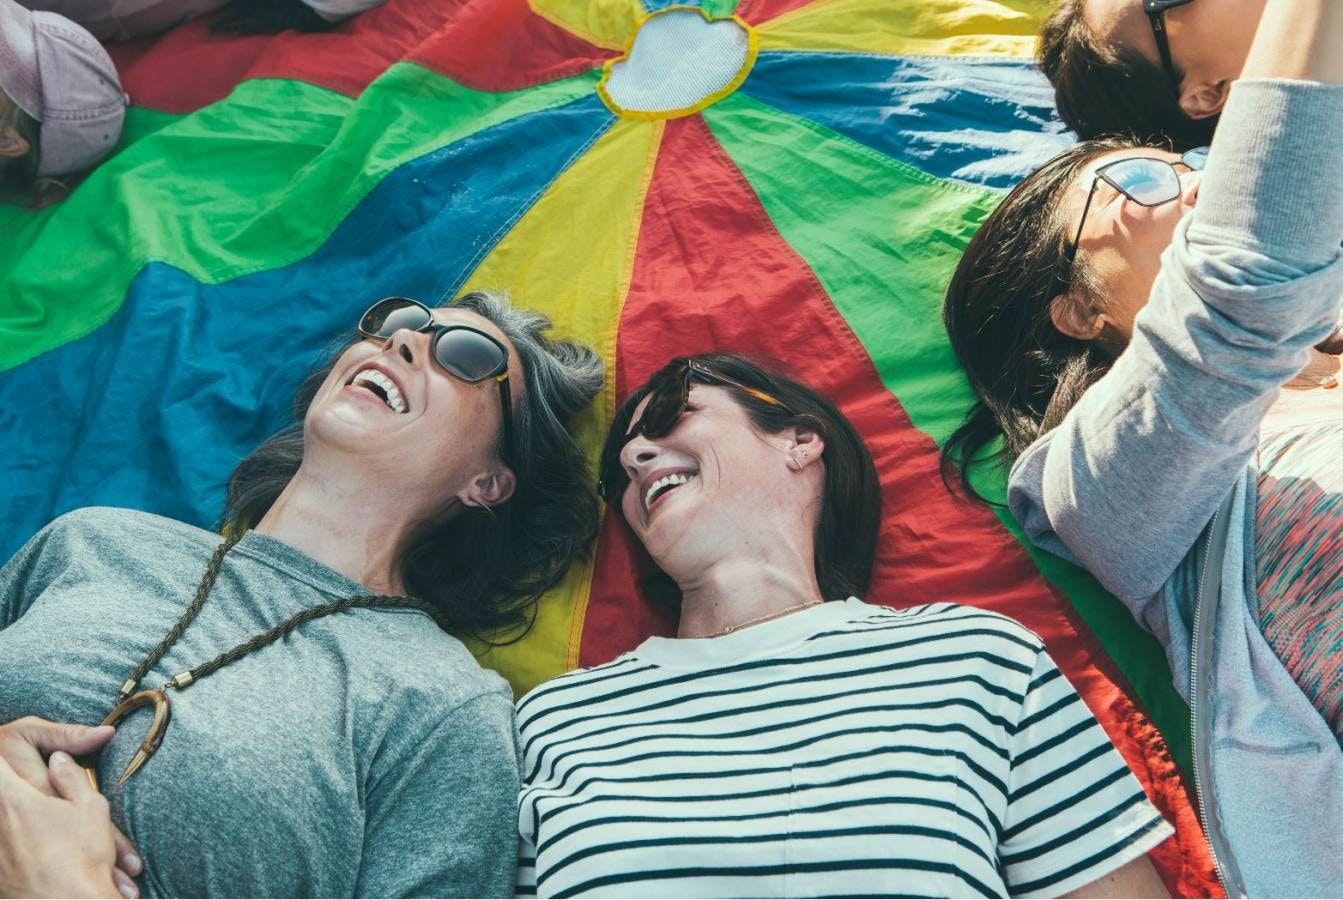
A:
(122, 525)
(950, 622)
(970, 641)
(578, 688)
(432, 671)
(419, 690)
(101, 534)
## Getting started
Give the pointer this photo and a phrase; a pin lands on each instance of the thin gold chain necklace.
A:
(128, 699)
(777, 614)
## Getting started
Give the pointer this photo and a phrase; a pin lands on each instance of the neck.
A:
(343, 523)
(733, 592)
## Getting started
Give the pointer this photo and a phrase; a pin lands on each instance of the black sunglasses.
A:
(668, 396)
(1156, 16)
(467, 354)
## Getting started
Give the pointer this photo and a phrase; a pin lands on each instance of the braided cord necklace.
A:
(128, 699)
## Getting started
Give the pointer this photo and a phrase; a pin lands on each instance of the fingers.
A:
(27, 763)
(72, 782)
(125, 886)
(24, 741)
(11, 785)
(51, 736)
(128, 860)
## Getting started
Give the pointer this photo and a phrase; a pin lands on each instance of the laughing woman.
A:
(793, 740)
(1145, 338)
(327, 736)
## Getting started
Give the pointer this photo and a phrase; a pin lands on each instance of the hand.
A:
(23, 744)
(58, 846)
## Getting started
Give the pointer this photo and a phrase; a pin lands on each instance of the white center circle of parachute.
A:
(677, 60)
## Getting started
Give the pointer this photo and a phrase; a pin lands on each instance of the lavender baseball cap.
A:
(60, 75)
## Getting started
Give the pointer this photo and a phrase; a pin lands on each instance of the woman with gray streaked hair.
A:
(429, 481)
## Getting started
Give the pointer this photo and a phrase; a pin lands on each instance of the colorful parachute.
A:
(794, 182)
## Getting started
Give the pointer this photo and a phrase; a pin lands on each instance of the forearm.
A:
(1252, 279)
(1298, 39)
(1269, 208)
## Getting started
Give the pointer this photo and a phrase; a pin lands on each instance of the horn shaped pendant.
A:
(163, 713)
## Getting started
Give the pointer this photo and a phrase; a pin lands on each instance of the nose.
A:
(639, 451)
(409, 345)
(1189, 184)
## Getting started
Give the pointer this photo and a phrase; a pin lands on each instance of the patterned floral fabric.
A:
(1299, 543)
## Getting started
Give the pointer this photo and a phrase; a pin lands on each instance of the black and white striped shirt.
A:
(846, 749)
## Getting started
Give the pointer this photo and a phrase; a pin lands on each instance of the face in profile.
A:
(1208, 42)
(1121, 239)
(708, 489)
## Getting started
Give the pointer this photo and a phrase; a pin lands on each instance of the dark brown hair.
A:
(1026, 373)
(482, 569)
(846, 533)
(17, 175)
(1102, 90)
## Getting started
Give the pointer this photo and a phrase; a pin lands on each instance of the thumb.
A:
(70, 779)
(49, 737)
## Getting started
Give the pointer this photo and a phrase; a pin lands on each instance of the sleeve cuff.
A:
(1276, 170)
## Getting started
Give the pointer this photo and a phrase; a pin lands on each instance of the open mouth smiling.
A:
(381, 385)
(655, 489)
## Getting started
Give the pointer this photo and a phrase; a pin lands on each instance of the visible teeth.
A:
(666, 481)
(388, 387)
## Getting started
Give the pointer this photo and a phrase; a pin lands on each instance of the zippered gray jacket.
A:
(1149, 482)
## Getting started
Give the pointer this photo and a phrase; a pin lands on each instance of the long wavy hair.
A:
(1026, 373)
(483, 569)
(846, 533)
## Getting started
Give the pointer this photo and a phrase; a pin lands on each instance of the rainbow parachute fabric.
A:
(789, 179)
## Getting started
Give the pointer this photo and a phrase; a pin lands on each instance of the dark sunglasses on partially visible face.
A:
(467, 354)
(1146, 180)
(1156, 17)
(667, 400)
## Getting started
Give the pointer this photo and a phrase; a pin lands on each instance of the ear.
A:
(804, 448)
(1074, 318)
(489, 489)
(1199, 100)
(13, 144)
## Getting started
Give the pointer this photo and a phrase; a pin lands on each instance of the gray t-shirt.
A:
(367, 753)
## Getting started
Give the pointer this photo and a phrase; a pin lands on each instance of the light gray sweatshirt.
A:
(1149, 482)
(366, 754)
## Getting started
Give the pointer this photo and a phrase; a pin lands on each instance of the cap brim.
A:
(18, 58)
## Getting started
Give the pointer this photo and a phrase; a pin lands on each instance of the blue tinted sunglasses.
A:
(1145, 180)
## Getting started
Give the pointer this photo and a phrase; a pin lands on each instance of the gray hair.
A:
(483, 569)
(561, 378)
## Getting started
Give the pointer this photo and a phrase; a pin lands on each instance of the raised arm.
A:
(1252, 280)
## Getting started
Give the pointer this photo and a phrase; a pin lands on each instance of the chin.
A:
(343, 426)
(678, 547)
